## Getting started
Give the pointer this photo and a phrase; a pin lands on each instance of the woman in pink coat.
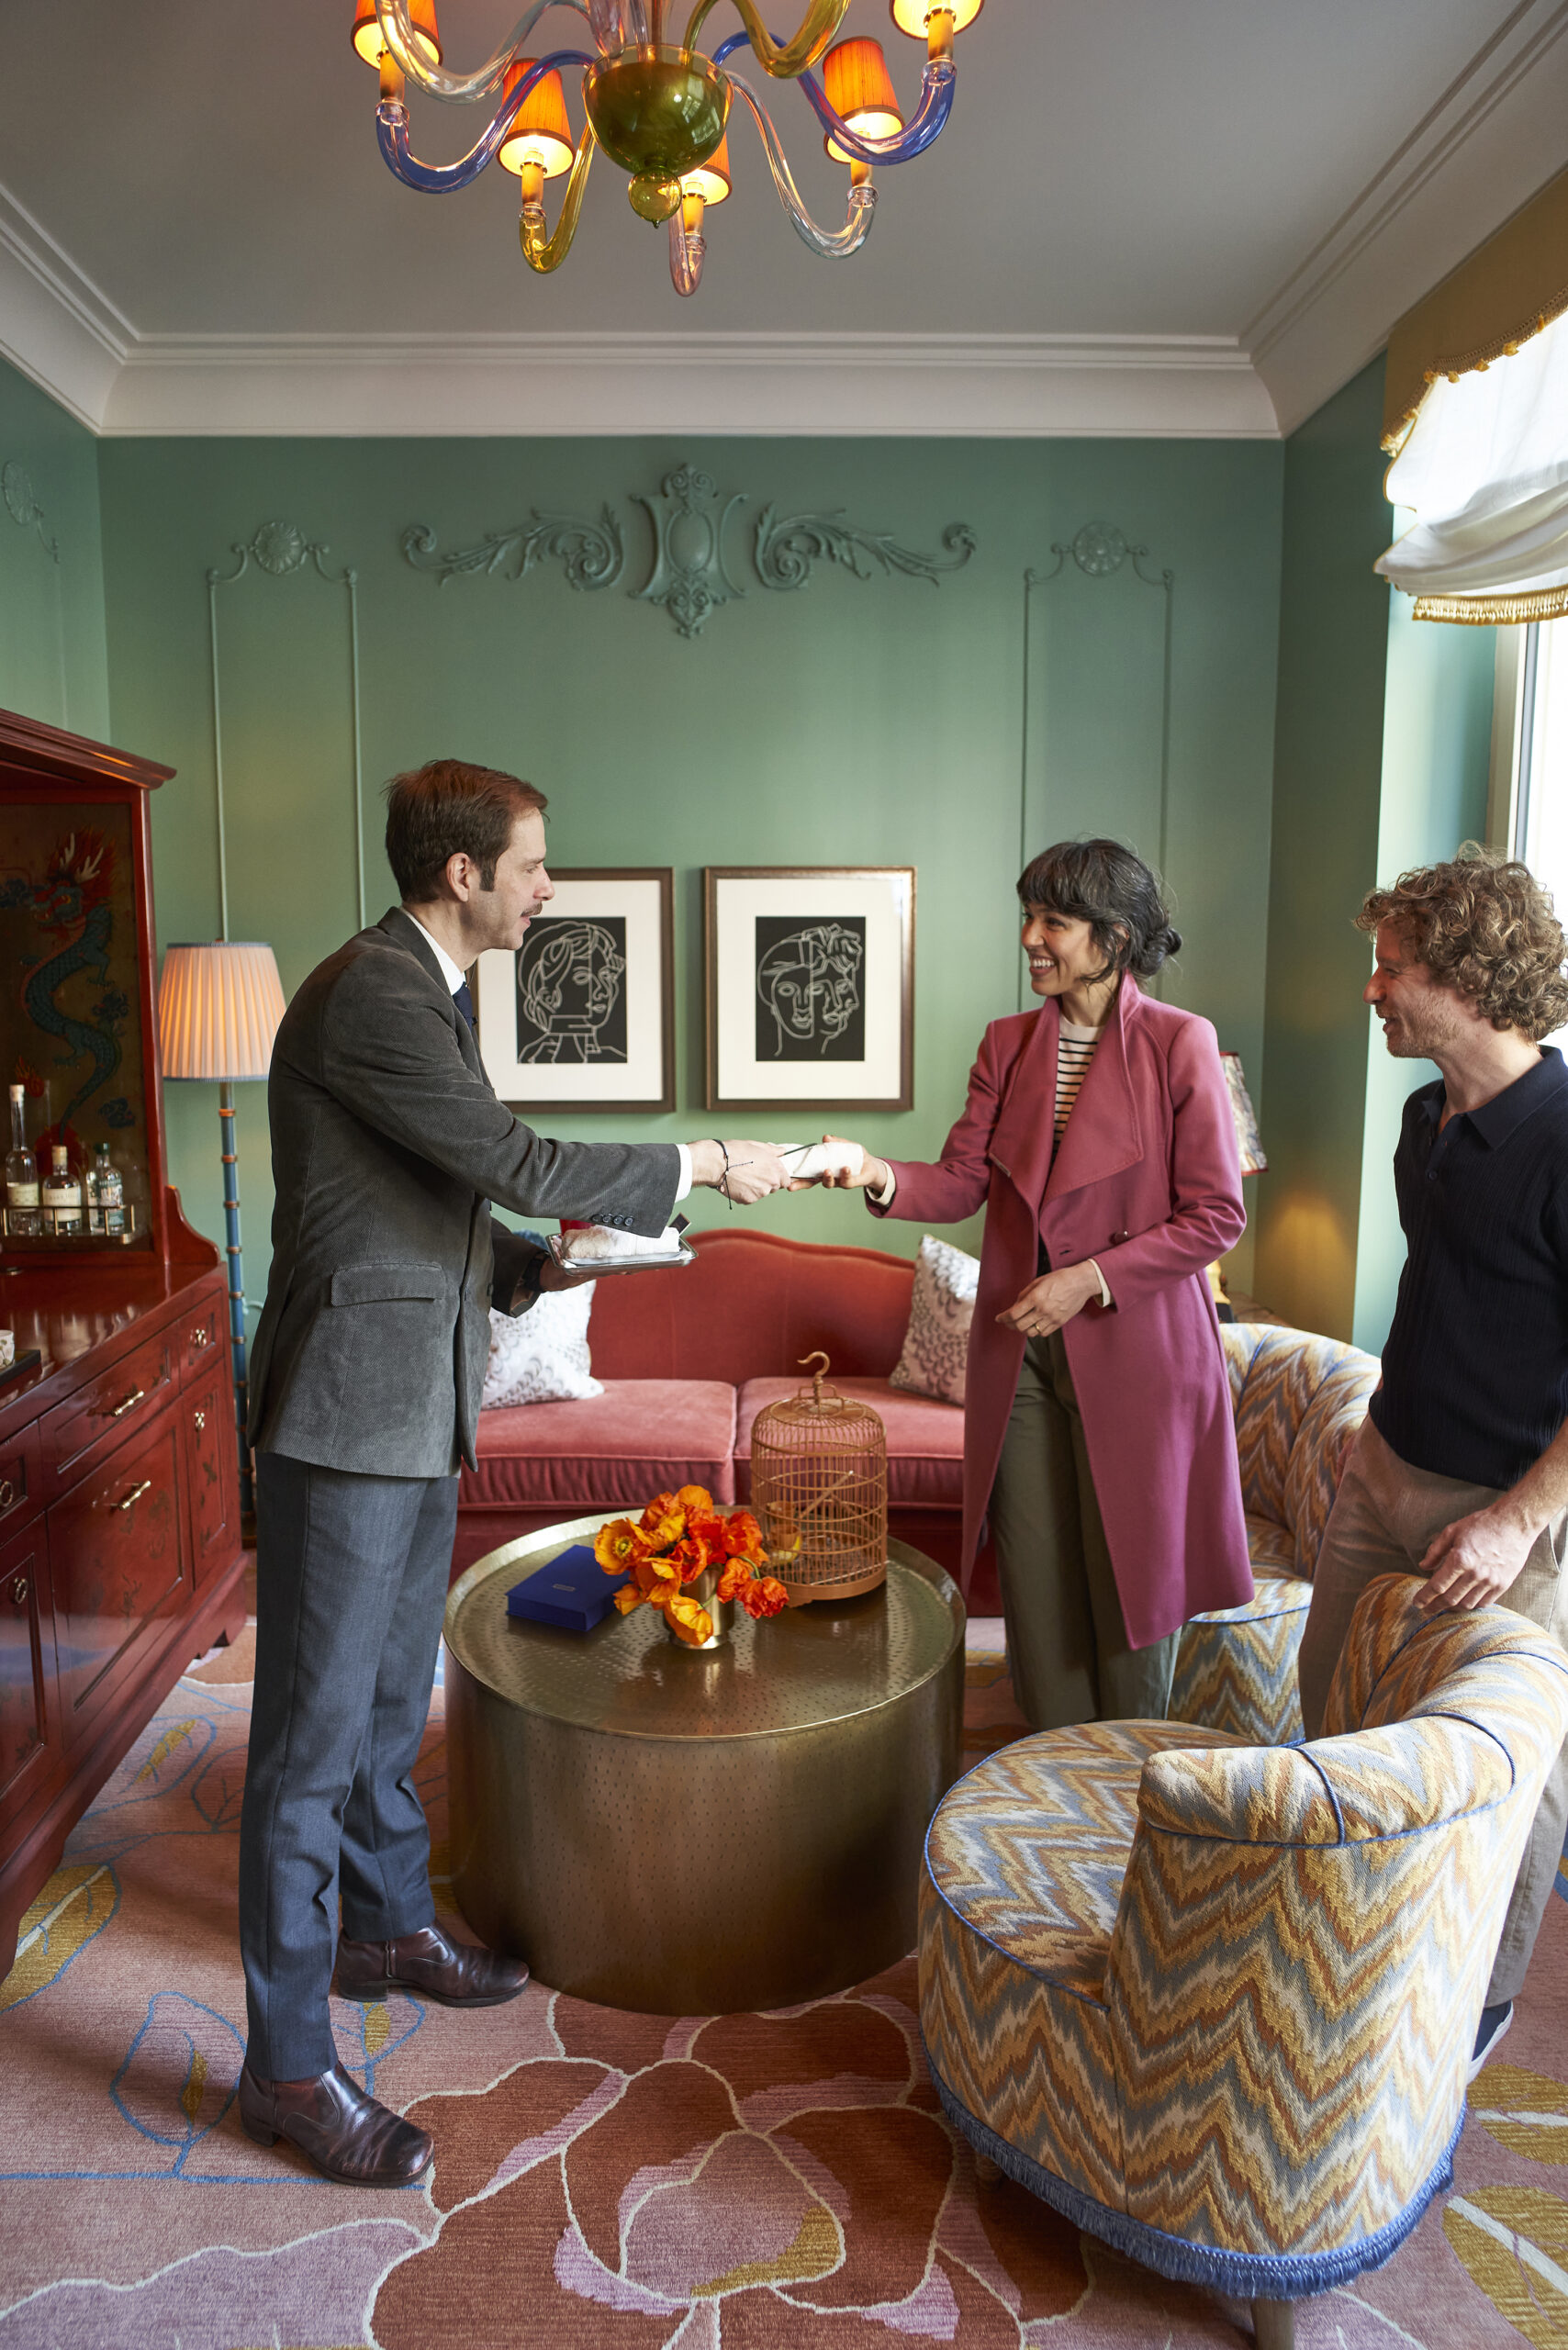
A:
(1097, 1135)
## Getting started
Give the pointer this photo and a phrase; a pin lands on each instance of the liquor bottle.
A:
(62, 1194)
(23, 1213)
(110, 1187)
(91, 1215)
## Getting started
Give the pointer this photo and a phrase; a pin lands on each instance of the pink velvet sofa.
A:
(688, 1358)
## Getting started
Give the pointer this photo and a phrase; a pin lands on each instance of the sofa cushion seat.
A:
(639, 1438)
(926, 1438)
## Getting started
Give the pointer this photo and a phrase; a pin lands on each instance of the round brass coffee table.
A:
(688, 1834)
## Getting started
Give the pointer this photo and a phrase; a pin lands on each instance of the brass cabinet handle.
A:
(19, 1590)
(202, 1337)
(134, 1496)
(121, 1409)
(8, 1493)
(200, 1419)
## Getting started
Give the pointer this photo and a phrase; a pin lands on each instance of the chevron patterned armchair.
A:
(1215, 2001)
(1297, 1397)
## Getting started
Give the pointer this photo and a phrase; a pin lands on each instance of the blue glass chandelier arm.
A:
(833, 244)
(443, 179)
(459, 89)
(937, 86)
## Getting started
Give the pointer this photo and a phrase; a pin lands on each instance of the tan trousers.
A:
(1067, 1644)
(1383, 1517)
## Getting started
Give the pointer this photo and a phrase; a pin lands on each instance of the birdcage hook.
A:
(805, 1362)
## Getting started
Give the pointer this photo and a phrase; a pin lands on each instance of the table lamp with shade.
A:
(219, 1007)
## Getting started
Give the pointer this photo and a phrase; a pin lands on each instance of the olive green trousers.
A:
(1067, 1644)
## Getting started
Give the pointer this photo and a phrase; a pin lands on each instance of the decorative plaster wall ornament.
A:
(21, 504)
(281, 549)
(786, 551)
(590, 552)
(659, 108)
(691, 577)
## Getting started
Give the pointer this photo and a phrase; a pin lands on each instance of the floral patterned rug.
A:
(717, 2183)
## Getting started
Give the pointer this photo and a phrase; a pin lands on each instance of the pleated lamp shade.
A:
(218, 1007)
(1249, 1142)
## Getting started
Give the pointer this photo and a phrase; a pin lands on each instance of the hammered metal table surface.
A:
(677, 1832)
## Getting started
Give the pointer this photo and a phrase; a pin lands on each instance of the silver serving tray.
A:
(592, 1267)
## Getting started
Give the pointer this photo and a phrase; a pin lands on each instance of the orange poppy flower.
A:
(628, 1597)
(708, 1526)
(695, 1500)
(619, 1546)
(663, 1533)
(766, 1596)
(693, 1623)
(656, 1578)
(692, 1557)
(735, 1579)
(743, 1535)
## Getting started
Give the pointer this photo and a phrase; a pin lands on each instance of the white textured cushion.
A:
(542, 1356)
(940, 1312)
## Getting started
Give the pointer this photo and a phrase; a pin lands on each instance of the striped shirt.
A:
(1074, 1054)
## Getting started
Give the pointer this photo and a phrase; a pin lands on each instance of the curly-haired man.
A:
(1460, 1471)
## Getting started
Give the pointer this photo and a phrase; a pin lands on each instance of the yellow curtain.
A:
(1510, 287)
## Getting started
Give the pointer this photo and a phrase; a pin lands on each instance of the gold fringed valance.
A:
(1510, 289)
(1495, 612)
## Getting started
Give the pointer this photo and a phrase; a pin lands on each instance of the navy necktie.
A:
(462, 998)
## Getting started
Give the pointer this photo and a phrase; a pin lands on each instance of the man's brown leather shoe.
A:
(344, 2131)
(431, 1967)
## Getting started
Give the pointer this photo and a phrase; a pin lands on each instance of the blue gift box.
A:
(573, 1592)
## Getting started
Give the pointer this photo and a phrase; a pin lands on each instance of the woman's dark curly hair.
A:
(1483, 926)
(1103, 884)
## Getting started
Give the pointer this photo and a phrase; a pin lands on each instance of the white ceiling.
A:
(1198, 218)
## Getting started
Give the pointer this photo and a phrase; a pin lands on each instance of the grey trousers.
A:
(351, 1585)
(1385, 1516)
(1067, 1644)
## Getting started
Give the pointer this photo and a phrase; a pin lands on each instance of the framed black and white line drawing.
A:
(582, 1016)
(810, 975)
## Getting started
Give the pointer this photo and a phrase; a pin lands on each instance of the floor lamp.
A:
(218, 1007)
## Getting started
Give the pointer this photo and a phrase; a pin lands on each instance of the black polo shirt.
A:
(1476, 1371)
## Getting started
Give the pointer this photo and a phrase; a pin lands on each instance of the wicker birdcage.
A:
(819, 1490)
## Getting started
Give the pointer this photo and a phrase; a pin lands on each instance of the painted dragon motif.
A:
(74, 904)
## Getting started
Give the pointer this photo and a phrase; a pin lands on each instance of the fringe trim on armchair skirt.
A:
(1249, 2276)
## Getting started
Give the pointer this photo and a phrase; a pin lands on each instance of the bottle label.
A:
(21, 1195)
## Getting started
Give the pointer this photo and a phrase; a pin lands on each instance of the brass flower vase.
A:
(705, 1591)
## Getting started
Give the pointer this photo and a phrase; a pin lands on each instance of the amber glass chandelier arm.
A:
(833, 244)
(459, 89)
(823, 19)
(545, 254)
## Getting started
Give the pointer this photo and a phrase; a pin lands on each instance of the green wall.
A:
(1382, 750)
(1436, 750)
(875, 721)
(52, 661)
(1333, 660)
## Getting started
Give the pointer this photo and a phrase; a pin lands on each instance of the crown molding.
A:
(56, 327)
(546, 386)
(1484, 148)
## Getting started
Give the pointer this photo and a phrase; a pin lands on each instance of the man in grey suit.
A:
(388, 1145)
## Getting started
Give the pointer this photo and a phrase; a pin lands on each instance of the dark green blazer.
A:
(388, 1145)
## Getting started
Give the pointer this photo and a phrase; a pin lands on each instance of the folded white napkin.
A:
(601, 1240)
(810, 1159)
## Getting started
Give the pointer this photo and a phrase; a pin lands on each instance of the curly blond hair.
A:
(1483, 925)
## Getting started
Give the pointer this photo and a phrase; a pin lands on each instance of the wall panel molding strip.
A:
(280, 550)
(1102, 723)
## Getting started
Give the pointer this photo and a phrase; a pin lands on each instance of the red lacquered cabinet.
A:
(121, 1554)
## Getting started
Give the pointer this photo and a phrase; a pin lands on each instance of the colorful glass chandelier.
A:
(660, 109)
